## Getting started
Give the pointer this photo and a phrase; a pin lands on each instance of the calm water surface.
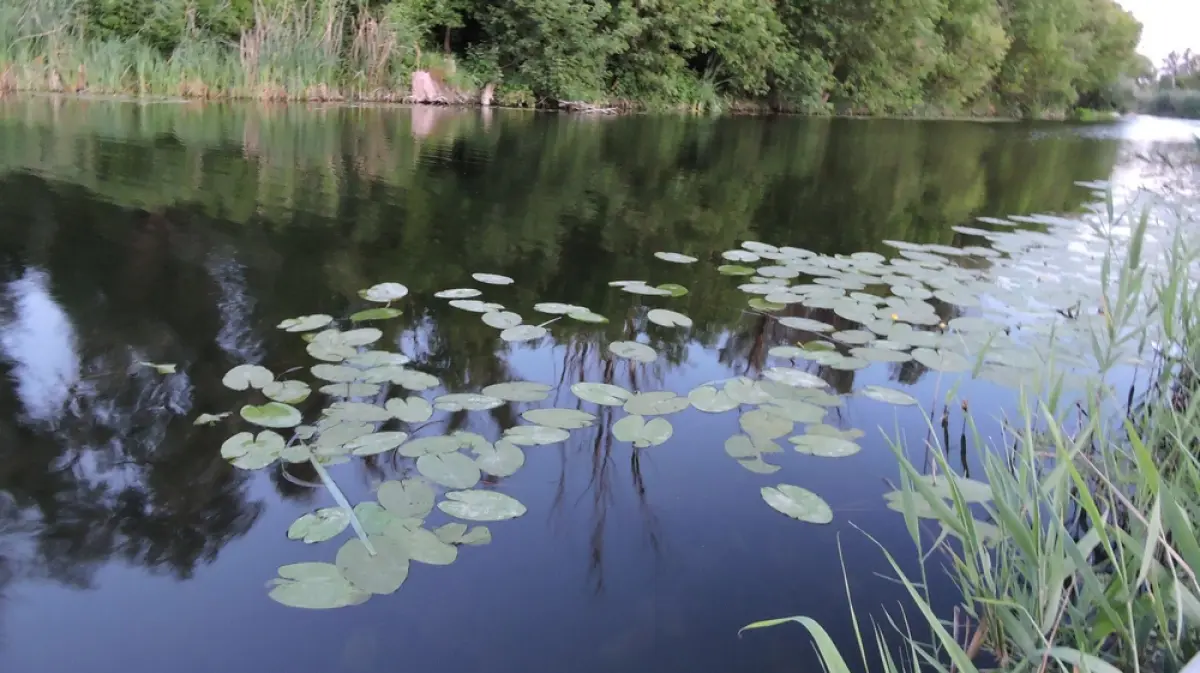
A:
(179, 233)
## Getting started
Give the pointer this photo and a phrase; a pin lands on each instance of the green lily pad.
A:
(880, 354)
(244, 377)
(675, 257)
(501, 319)
(375, 443)
(761, 304)
(452, 470)
(744, 391)
(744, 256)
(657, 403)
(356, 412)
(467, 402)
(556, 308)
(661, 316)
(941, 360)
(475, 306)
(743, 446)
(708, 399)
(523, 333)
(421, 544)
(424, 446)
(210, 419)
(492, 279)
(411, 498)
(272, 415)
(888, 396)
(675, 289)
(633, 350)
(518, 391)
(476, 505)
(336, 434)
(501, 459)
(458, 293)
(314, 586)
(735, 270)
(797, 411)
(830, 431)
(350, 389)
(758, 247)
(806, 324)
(249, 452)
(761, 424)
(825, 446)
(411, 410)
(370, 359)
(789, 376)
(757, 465)
(336, 373)
(409, 379)
(380, 573)
(587, 316)
(798, 503)
(601, 393)
(567, 419)
(305, 323)
(320, 525)
(381, 313)
(288, 392)
(384, 292)
(531, 435)
(642, 434)
(457, 533)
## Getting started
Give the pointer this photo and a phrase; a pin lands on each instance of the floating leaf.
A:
(633, 350)
(411, 498)
(556, 308)
(798, 503)
(492, 279)
(587, 316)
(794, 377)
(272, 415)
(210, 419)
(675, 257)
(941, 360)
(475, 306)
(320, 525)
(479, 505)
(288, 392)
(830, 431)
(336, 373)
(369, 359)
(501, 319)
(655, 403)
(675, 289)
(336, 435)
(824, 445)
(519, 391)
(760, 248)
(458, 293)
(642, 434)
(424, 446)
(888, 395)
(740, 256)
(523, 333)
(457, 533)
(315, 586)
(375, 443)
(530, 435)
(735, 270)
(972, 324)
(708, 399)
(381, 313)
(661, 316)
(467, 402)
(384, 292)
(409, 379)
(305, 323)
(452, 470)
(567, 419)
(356, 412)
(601, 393)
(248, 452)
(880, 355)
(380, 573)
(806, 324)
(243, 377)
(501, 459)
(351, 389)
(375, 519)
(744, 391)
(742, 446)
(421, 544)
(761, 304)
(473, 442)
(797, 411)
(761, 424)
(758, 466)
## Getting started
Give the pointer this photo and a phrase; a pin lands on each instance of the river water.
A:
(183, 234)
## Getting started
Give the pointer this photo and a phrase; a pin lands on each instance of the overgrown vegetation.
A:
(1022, 57)
(1174, 90)
(1080, 551)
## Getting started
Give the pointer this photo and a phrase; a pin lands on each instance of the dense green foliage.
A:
(1023, 57)
(1174, 90)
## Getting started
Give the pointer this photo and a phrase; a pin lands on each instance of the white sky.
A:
(1167, 25)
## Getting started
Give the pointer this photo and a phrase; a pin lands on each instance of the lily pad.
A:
(411, 410)
(336, 373)
(675, 257)
(351, 389)
(830, 431)
(661, 316)
(380, 573)
(452, 470)
(272, 415)
(315, 586)
(761, 304)
(761, 424)
(880, 354)
(249, 452)
(375, 443)
(425, 446)
(381, 313)
(633, 350)
(356, 412)
(492, 279)
(458, 293)
(519, 391)
(794, 377)
(744, 391)
(409, 379)
(759, 247)
(941, 360)
(675, 289)
(556, 308)
(657, 403)
(467, 402)
(476, 505)
(587, 316)
(501, 319)
(743, 446)
(305, 323)
(320, 525)
(244, 377)
(797, 411)
(601, 393)
(384, 292)
(567, 419)
(371, 359)
(531, 435)
(457, 533)
(210, 419)
(888, 396)
(758, 466)
(523, 333)
(421, 544)
(798, 503)
(708, 399)
(806, 324)
(735, 270)
(642, 434)
(475, 306)
(288, 392)
(411, 498)
(740, 256)
(501, 459)
(824, 445)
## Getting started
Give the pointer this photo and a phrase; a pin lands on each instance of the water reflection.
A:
(38, 341)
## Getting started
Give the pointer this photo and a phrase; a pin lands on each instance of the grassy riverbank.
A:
(1080, 551)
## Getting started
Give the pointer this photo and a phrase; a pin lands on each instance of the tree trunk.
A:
(446, 41)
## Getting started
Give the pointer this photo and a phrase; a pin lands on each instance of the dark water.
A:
(183, 233)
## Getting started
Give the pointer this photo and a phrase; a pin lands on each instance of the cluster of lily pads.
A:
(888, 301)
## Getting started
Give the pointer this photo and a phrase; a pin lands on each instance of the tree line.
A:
(1173, 90)
(930, 57)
